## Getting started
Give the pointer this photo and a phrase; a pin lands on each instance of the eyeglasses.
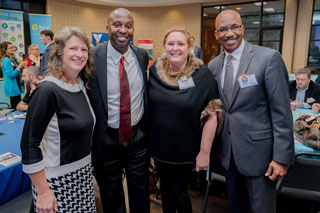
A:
(233, 28)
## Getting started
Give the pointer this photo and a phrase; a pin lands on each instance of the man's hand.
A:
(276, 170)
(316, 107)
(300, 104)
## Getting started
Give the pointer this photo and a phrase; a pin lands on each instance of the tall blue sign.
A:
(39, 22)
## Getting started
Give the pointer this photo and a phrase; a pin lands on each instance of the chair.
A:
(302, 179)
(4, 105)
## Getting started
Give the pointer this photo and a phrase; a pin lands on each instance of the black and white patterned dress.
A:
(57, 138)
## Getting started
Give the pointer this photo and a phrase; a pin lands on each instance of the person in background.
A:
(30, 77)
(33, 58)
(303, 91)
(257, 139)
(47, 39)
(118, 94)
(181, 88)
(60, 120)
(11, 73)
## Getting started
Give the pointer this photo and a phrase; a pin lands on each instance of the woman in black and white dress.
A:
(56, 140)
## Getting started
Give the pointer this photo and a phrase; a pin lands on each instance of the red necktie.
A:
(125, 107)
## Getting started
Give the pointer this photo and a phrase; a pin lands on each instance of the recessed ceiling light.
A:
(238, 8)
(259, 3)
(256, 22)
(270, 9)
(217, 7)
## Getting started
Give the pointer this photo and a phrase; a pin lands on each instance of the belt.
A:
(113, 131)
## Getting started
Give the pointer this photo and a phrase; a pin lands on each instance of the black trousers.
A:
(249, 194)
(112, 160)
(173, 180)
(14, 101)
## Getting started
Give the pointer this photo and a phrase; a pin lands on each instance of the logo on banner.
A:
(39, 27)
(97, 37)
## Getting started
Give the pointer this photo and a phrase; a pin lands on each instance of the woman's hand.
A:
(47, 202)
(22, 64)
(202, 161)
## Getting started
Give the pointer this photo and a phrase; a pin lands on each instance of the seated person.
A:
(30, 77)
(303, 91)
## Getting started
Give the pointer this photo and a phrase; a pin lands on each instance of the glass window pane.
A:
(271, 35)
(270, 7)
(12, 4)
(26, 6)
(251, 35)
(210, 12)
(251, 21)
(315, 33)
(271, 44)
(316, 17)
(244, 9)
(272, 20)
(317, 5)
(314, 52)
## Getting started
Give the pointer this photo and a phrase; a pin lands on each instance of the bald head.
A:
(120, 29)
(119, 12)
(228, 14)
(229, 30)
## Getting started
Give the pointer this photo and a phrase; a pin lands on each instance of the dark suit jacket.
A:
(312, 92)
(44, 61)
(258, 122)
(98, 92)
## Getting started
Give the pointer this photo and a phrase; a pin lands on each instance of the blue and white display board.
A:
(11, 29)
(38, 23)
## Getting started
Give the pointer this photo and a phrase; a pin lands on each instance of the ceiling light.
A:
(270, 9)
(238, 8)
(218, 8)
(259, 3)
(205, 14)
(256, 22)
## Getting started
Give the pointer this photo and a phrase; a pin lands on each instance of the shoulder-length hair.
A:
(55, 65)
(3, 48)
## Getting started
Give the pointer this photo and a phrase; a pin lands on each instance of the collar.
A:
(237, 52)
(49, 44)
(116, 56)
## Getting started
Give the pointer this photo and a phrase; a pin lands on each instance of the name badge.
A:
(310, 100)
(246, 80)
(185, 83)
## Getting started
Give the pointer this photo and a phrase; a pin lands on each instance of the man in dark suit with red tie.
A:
(118, 95)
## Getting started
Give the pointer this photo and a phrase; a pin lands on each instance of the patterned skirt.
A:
(74, 191)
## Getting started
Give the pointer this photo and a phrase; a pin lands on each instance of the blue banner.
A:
(11, 29)
(38, 23)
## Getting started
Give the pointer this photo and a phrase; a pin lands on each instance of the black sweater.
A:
(175, 130)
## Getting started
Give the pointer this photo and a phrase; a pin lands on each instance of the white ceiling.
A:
(144, 3)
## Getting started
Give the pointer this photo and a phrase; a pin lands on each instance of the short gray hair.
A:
(32, 70)
(303, 71)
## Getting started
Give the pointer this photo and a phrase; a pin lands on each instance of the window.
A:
(263, 22)
(314, 45)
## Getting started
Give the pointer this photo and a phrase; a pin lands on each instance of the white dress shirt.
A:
(236, 56)
(135, 79)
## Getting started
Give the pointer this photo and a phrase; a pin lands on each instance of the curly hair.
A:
(55, 64)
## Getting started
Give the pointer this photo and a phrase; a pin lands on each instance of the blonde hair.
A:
(183, 30)
(55, 65)
(32, 46)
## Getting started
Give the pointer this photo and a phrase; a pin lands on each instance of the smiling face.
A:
(75, 55)
(120, 29)
(177, 49)
(10, 50)
(231, 39)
